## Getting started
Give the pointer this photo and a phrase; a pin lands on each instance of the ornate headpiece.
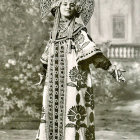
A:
(86, 12)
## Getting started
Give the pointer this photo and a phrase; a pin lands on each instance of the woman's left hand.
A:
(117, 73)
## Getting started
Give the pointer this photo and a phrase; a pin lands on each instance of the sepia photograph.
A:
(69, 69)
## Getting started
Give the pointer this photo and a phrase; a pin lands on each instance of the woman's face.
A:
(67, 8)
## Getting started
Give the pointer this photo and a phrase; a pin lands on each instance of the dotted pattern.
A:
(57, 87)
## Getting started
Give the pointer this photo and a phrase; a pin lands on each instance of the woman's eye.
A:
(65, 4)
(72, 5)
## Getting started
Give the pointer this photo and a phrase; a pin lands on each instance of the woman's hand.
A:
(117, 73)
(41, 79)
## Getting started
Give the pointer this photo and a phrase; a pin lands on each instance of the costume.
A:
(68, 99)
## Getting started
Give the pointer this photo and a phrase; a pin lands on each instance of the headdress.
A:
(87, 8)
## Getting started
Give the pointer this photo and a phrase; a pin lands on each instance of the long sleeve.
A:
(44, 69)
(98, 60)
(87, 53)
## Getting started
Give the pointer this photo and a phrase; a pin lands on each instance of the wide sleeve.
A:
(88, 52)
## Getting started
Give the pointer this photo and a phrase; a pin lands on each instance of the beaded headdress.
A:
(87, 8)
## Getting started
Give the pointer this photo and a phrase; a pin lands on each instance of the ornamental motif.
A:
(77, 75)
(56, 91)
(89, 98)
(80, 39)
(90, 133)
(77, 113)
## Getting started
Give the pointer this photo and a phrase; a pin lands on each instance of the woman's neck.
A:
(66, 19)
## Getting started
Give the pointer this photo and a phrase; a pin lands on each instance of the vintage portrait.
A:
(70, 70)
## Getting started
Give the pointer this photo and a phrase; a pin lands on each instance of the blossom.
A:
(21, 81)
(12, 62)
(2, 88)
(77, 113)
(29, 66)
(7, 65)
(73, 73)
(29, 110)
(8, 91)
(20, 103)
(77, 75)
(21, 53)
(25, 78)
(21, 76)
(16, 78)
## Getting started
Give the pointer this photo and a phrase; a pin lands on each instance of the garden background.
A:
(23, 37)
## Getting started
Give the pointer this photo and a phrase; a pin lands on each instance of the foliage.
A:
(106, 88)
(18, 92)
(22, 36)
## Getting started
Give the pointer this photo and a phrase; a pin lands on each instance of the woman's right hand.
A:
(41, 79)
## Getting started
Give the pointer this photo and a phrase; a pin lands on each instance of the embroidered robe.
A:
(68, 99)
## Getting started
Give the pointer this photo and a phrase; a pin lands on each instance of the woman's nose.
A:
(68, 6)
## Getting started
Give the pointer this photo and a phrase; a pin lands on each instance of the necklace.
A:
(63, 25)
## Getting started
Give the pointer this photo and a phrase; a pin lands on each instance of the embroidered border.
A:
(57, 89)
(50, 101)
(62, 85)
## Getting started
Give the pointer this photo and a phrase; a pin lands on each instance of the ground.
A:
(114, 121)
(119, 121)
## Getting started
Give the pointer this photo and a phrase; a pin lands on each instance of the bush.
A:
(22, 36)
(108, 90)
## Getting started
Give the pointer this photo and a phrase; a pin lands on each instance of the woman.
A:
(68, 100)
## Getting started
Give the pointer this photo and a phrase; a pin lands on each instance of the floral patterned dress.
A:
(68, 99)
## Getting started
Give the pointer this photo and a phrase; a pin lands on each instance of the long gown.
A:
(68, 99)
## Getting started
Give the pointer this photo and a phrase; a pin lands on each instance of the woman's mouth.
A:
(67, 10)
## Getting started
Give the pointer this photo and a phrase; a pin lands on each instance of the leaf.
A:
(20, 103)
(70, 125)
(77, 127)
(78, 98)
(83, 125)
(71, 84)
(87, 105)
(77, 136)
(91, 117)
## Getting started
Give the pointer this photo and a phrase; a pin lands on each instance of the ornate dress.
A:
(68, 99)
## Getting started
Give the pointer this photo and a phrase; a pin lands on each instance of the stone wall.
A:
(136, 21)
(101, 23)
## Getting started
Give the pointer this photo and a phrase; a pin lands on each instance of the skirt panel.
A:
(68, 101)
